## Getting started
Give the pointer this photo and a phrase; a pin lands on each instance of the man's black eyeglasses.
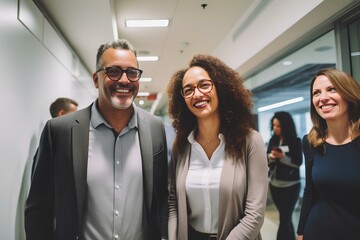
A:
(204, 86)
(115, 73)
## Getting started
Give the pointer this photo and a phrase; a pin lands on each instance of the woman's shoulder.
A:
(357, 139)
(254, 138)
(179, 152)
(255, 135)
(305, 140)
(308, 150)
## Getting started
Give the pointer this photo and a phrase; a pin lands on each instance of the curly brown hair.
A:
(234, 105)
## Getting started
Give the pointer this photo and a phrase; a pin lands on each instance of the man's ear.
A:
(61, 112)
(95, 80)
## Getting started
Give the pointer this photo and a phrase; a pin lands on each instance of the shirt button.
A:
(117, 187)
(116, 236)
(116, 212)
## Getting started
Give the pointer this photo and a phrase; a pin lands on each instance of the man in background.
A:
(59, 107)
(63, 106)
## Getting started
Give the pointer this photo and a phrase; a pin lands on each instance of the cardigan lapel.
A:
(183, 168)
(226, 185)
(80, 146)
(147, 159)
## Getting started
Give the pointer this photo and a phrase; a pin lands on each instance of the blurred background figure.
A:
(330, 209)
(63, 106)
(285, 158)
(59, 107)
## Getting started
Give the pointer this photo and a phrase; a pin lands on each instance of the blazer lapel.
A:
(80, 145)
(147, 159)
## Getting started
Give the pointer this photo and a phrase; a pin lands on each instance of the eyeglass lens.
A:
(115, 73)
(204, 86)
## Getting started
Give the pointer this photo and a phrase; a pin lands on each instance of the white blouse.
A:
(202, 186)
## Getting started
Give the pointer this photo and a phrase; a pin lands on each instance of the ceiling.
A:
(86, 24)
(294, 82)
(196, 26)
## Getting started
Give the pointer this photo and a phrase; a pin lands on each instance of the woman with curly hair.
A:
(285, 158)
(219, 175)
(331, 208)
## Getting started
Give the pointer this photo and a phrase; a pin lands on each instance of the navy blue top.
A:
(331, 207)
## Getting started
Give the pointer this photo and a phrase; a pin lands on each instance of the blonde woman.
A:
(331, 208)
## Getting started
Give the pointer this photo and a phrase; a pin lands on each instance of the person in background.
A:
(62, 106)
(102, 171)
(59, 107)
(285, 158)
(330, 208)
(219, 174)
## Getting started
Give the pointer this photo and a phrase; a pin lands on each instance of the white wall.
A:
(36, 68)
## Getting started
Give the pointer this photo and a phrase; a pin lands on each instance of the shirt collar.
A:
(97, 119)
(191, 137)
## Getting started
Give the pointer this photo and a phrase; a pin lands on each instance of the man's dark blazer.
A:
(57, 198)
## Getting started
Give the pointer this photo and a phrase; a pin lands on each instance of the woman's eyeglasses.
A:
(204, 86)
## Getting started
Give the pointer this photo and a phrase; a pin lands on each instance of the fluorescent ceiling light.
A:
(143, 94)
(147, 23)
(145, 79)
(280, 104)
(287, 63)
(148, 58)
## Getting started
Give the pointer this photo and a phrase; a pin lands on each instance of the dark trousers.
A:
(195, 235)
(285, 200)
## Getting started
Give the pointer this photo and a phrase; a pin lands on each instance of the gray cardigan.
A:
(243, 194)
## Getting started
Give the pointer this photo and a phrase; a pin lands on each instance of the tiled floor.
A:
(270, 226)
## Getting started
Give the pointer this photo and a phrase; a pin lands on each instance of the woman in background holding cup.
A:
(285, 157)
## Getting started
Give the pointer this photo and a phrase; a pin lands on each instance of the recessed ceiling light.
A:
(147, 23)
(143, 94)
(280, 104)
(287, 63)
(147, 58)
(145, 79)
